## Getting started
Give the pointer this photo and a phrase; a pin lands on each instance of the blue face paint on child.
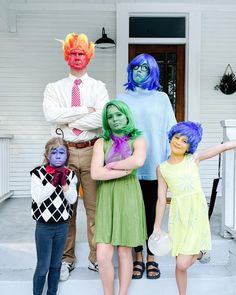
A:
(58, 156)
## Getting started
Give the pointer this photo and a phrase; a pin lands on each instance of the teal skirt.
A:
(120, 214)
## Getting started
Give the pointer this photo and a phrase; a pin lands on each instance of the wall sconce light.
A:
(104, 42)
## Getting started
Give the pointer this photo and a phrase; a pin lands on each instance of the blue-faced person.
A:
(56, 158)
(54, 191)
(143, 72)
(151, 108)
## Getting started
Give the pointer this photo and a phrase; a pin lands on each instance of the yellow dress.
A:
(188, 217)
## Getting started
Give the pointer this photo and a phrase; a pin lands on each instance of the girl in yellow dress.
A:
(188, 223)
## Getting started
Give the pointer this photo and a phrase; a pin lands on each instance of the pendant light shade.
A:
(104, 42)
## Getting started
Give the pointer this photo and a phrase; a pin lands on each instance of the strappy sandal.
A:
(139, 269)
(204, 257)
(154, 269)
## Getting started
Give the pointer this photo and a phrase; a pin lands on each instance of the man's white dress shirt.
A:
(59, 112)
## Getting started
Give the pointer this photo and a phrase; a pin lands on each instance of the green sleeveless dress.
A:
(188, 217)
(120, 214)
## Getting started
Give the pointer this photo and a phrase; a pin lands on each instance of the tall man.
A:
(74, 104)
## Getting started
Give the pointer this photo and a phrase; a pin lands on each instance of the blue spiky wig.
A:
(193, 131)
(152, 80)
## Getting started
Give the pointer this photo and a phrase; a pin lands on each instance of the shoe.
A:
(152, 266)
(93, 266)
(138, 267)
(66, 268)
(205, 257)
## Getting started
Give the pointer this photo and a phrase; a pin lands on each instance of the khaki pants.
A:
(80, 161)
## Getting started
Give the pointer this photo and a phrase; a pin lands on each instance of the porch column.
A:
(4, 167)
(228, 224)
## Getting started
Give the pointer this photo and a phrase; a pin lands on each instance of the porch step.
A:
(217, 277)
(203, 279)
(23, 255)
(18, 258)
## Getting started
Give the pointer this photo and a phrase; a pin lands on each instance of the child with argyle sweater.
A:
(53, 190)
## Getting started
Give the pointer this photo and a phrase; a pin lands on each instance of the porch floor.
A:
(17, 226)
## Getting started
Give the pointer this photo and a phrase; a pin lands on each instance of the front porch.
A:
(17, 256)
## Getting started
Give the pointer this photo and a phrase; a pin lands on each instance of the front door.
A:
(171, 61)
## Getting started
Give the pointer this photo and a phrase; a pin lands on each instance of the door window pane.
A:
(167, 66)
(157, 27)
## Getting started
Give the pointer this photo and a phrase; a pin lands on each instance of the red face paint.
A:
(77, 60)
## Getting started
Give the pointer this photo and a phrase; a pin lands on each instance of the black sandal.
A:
(154, 269)
(138, 269)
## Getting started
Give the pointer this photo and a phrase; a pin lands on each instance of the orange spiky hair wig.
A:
(80, 42)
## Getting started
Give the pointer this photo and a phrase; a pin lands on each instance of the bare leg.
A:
(125, 269)
(139, 256)
(106, 268)
(183, 262)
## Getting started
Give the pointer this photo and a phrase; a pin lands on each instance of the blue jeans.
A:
(50, 241)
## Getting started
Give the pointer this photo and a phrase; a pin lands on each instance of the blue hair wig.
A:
(193, 131)
(152, 80)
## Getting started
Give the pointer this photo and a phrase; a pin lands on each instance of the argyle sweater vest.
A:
(55, 208)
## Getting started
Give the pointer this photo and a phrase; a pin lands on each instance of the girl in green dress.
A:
(120, 215)
(188, 217)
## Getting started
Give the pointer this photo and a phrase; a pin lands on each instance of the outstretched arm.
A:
(98, 171)
(161, 202)
(201, 155)
(136, 160)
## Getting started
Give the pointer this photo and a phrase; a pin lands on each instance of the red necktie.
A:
(75, 101)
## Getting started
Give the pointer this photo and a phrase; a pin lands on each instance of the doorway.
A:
(171, 61)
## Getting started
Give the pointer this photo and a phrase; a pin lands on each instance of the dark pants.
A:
(50, 241)
(149, 191)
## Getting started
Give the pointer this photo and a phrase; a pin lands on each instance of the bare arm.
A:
(161, 202)
(201, 155)
(98, 171)
(136, 160)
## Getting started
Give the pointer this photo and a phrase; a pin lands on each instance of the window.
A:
(157, 27)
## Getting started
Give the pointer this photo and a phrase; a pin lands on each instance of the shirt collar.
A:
(83, 78)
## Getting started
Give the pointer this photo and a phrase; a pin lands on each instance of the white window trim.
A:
(192, 41)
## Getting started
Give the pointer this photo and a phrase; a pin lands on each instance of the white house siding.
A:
(218, 49)
(29, 59)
